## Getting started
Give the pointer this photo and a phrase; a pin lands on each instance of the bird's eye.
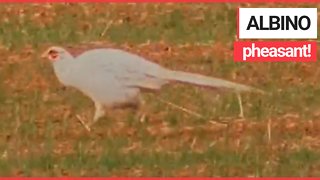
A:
(53, 55)
(52, 52)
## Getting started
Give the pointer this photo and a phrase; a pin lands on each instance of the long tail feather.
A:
(201, 80)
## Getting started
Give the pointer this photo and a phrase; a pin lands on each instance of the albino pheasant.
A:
(115, 78)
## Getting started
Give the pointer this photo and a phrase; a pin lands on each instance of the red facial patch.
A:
(53, 55)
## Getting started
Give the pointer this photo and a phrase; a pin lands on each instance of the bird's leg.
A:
(142, 114)
(83, 123)
(99, 112)
(241, 115)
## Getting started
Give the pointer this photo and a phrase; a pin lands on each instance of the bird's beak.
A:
(44, 55)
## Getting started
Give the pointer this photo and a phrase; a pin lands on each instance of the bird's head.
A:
(56, 53)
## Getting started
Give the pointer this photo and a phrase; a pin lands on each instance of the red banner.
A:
(157, 1)
(275, 51)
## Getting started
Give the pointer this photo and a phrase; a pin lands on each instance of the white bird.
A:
(114, 78)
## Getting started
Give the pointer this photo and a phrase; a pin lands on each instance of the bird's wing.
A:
(127, 69)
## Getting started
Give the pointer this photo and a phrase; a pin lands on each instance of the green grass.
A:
(218, 162)
(173, 27)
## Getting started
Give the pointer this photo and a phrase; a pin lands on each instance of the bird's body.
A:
(115, 78)
(112, 81)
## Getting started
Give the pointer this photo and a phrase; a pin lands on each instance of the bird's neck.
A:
(63, 68)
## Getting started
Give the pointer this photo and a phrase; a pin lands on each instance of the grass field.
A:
(40, 135)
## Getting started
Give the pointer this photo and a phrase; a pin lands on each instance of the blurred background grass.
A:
(40, 135)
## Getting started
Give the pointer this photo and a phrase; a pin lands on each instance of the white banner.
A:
(277, 23)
